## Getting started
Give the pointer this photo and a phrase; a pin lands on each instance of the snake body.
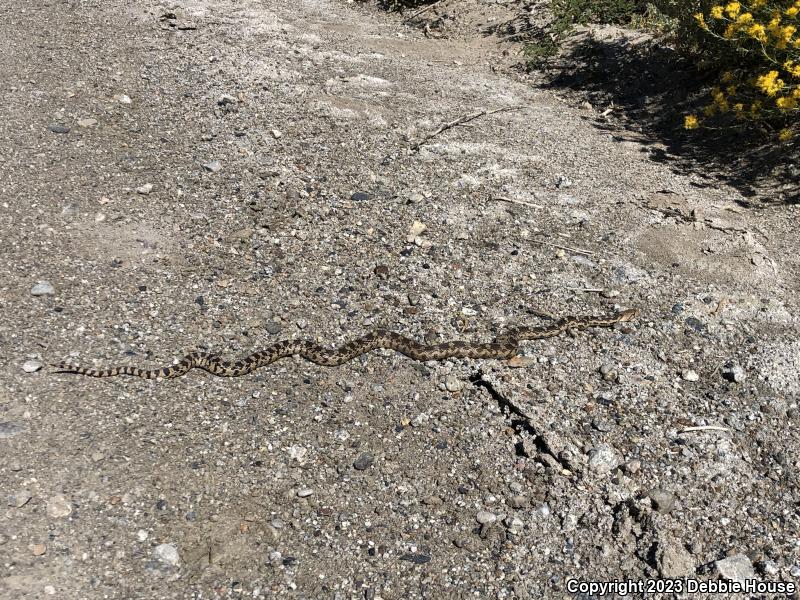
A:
(504, 347)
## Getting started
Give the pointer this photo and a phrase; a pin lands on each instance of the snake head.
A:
(628, 315)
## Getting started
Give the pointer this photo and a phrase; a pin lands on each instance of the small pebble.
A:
(58, 128)
(734, 373)
(663, 501)
(518, 501)
(416, 229)
(123, 98)
(304, 492)
(31, 366)
(735, 568)
(484, 517)
(795, 571)
(603, 459)
(226, 99)
(213, 167)
(514, 524)
(608, 372)
(145, 189)
(770, 567)
(58, 507)
(276, 134)
(167, 553)
(87, 122)
(363, 461)
(142, 535)
(689, 375)
(38, 549)
(632, 466)
(453, 384)
(49, 590)
(43, 288)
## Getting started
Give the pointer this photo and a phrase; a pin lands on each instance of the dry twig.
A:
(515, 201)
(567, 248)
(420, 11)
(461, 121)
(704, 428)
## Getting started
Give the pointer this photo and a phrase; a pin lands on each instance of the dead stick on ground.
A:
(461, 121)
(704, 428)
(419, 12)
(515, 201)
(567, 248)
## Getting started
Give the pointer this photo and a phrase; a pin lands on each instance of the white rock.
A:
(43, 288)
(735, 568)
(417, 227)
(145, 189)
(167, 553)
(58, 507)
(31, 366)
(213, 166)
(689, 375)
(484, 517)
(304, 492)
(453, 384)
(603, 459)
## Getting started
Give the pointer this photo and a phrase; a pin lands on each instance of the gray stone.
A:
(735, 568)
(364, 461)
(673, 560)
(518, 501)
(59, 128)
(609, 372)
(484, 517)
(603, 459)
(770, 567)
(58, 507)
(662, 500)
(227, 99)
(168, 554)
(31, 366)
(514, 524)
(43, 288)
(213, 166)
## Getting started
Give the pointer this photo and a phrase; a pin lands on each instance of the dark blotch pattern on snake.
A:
(504, 347)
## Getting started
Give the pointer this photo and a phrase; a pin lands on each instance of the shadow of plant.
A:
(652, 88)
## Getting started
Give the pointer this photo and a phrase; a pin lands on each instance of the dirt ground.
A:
(220, 175)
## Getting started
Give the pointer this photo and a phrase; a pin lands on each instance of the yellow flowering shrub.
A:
(764, 83)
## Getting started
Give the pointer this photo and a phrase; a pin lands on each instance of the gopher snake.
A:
(503, 348)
